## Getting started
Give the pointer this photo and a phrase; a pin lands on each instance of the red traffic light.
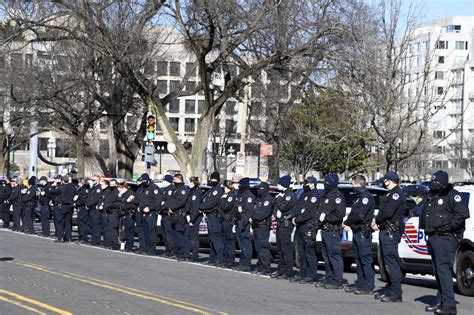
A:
(151, 119)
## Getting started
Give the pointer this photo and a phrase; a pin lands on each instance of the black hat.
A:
(285, 181)
(43, 178)
(441, 177)
(144, 177)
(263, 185)
(244, 182)
(168, 178)
(391, 176)
(32, 180)
(215, 175)
(311, 180)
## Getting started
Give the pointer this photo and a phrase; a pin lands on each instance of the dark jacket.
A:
(212, 200)
(362, 211)
(392, 208)
(192, 205)
(306, 207)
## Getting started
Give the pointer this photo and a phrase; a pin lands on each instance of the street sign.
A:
(266, 149)
(240, 163)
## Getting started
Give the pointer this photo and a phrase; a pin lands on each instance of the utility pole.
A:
(243, 137)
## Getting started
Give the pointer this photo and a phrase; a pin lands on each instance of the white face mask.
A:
(281, 188)
(91, 183)
(236, 186)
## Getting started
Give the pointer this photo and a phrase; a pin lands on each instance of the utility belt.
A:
(180, 212)
(229, 216)
(392, 226)
(360, 228)
(263, 223)
(332, 227)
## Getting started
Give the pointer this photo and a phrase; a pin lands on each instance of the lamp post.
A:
(161, 149)
(10, 135)
(398, 143)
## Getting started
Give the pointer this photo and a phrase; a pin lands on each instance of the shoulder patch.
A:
(183, 192)
(440, 202)
(193, 197)
(396, 196)
(229, 199)
(249, 200)
(314, 199)
(338, 200)
(457, 198)
(266, 203)
(288, 198)
(214, 192)
(365, 201)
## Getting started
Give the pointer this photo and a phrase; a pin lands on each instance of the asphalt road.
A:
(38, 276)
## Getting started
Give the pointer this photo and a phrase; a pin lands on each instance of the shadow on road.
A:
(6, 258)
(427, 299)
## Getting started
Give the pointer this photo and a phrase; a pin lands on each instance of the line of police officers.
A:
(101, 204)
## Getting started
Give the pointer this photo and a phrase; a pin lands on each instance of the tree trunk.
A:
(274, 164)
(3, 150)
(112, 162)
(80, 152)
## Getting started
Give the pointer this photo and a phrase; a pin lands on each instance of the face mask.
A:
(236, 186)
(213, 184)
(306, 188)
(91, 183)
(178, 184)
(436, 186)
(281, 188)
(112, 188)
(358, 189)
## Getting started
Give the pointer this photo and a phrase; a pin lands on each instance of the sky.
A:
(436, 9)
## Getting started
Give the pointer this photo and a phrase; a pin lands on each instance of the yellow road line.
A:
(121, 289)
(30, 301)
(124, 287)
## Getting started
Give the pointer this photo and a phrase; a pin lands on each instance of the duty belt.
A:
(331, 227)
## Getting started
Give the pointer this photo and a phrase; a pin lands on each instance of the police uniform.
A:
(82, 213)
(285, 204)
(176, 203)
(167, 225)
(64, 199)
(305, 236)
(15, 201)
(390, 223)
(44, 201)
(195, 217)
(359, 221)
(443, 219)
(261, 224)
(227, 213)
(93, 198)
(210, 206)
(4, 205)
(149, 197)
(112, 203)
(127, 213)
(245, 205)
(333, 209)
(30, 201)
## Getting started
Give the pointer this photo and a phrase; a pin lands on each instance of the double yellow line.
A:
(123, 289)
(29, 304)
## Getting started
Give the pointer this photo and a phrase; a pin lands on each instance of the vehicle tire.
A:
(297, 254)
(383, 275)
(464, 273)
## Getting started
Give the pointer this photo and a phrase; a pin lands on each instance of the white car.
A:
(413, 251)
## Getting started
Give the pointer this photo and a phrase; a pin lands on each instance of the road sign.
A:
(266, 149)
(240, 163)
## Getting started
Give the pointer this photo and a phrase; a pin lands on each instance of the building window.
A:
(461, 45)
(173, 106)
(162, 86)
(230, 126)
(149, 68)
(189, 125)
(174, 122)
(174, 85)
(175, 69)
(442, 44)
(439, 134)
(231, 108)
(440, 90)
(453, 28)
(190, 106)
(190, 85)
(162, 68)
(440, 59)
(439, 75)
(201, 106)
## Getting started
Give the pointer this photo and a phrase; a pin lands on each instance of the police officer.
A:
(443, 218)
(195, 217)
(30, 201)
(167, 225)
(331, 211)
(244, 212)
(93, 198)
(210, 207)
(65, 195)
(359, 221)
(15, 201)
(176, 204)
(261, 221)
(389, 221)
(44, 199)
(4, 205)
(304, 219)
(53, 193)
(80, 201)
(285, 203)
(149, 205)
(227, 211)
(127, 213)
(112, 204)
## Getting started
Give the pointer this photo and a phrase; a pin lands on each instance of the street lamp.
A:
(398, 143)
(10, 134)
(160, 149)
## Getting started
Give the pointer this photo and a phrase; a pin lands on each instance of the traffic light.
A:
(150, 127)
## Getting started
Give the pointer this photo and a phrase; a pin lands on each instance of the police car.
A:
(413, 251)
